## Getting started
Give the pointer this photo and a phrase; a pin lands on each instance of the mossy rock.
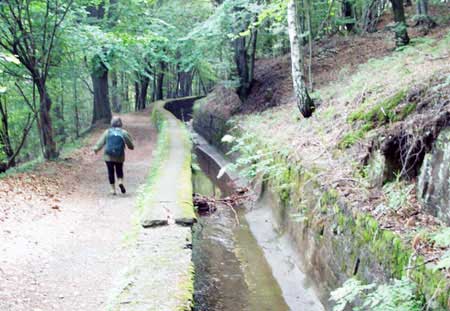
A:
(382, 113)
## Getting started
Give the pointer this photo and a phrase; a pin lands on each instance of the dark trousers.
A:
(114, 168)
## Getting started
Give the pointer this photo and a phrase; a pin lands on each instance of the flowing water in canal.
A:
(232, 272)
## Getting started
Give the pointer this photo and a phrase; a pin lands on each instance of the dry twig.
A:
(207, 204)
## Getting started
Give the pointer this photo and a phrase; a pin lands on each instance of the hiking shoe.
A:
(113, 189)
(122, 188)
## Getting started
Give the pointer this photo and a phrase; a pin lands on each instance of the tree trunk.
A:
(59, 114)
(136, 95)
(115, 93)
(401, 32)
(347, 13)
(141, 93)
(168, 83)
(310, 42)
(244, 56)
(240, 58)
(422, 18)
(102, 108)
(124, 85)
(154, 86)
(370, 16)
(46, 127)
(252, 56)
(159, 95)
(75, 108)
(304, 102)
(184, 84)
(99, 74)
(5, 139)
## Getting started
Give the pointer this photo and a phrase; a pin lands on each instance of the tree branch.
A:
(53, 35)
(27, 101)
(30, 120)
(87, 85)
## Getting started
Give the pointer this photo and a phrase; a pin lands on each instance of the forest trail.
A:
(63, 240)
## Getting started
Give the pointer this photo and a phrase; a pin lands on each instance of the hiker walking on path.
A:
(115, 139)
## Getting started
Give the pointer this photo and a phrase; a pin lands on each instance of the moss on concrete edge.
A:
(359, 246)
(185, 182)
(337, 241)
(159, 156)
(160, 117)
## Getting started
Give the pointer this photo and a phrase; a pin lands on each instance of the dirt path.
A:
(62, 236)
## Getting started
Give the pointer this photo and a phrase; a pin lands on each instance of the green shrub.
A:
(399, 295)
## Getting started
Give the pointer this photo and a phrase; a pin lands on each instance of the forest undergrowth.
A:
(357, 107)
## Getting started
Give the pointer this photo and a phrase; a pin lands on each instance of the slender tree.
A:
(159, 92)
(141, 90)
(304, 101)
(115, 92)
(31, 32)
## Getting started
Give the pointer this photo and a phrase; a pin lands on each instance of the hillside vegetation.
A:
(379, 113)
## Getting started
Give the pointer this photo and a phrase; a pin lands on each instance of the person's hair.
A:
(116, 122)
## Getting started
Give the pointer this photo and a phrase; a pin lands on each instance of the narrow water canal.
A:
(247, 266)
(233, 272)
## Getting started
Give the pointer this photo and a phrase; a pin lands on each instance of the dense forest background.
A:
(66, 65)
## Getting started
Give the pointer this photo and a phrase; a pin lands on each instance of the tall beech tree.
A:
(304, 101)
(99, 74)
(30, 30)
(159, 91)
(141, 89)
(244, 57)
(244, 47)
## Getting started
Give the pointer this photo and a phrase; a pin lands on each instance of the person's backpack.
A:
(115, 144)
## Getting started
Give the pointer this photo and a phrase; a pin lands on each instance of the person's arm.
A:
(128, 140)
(101, 142)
